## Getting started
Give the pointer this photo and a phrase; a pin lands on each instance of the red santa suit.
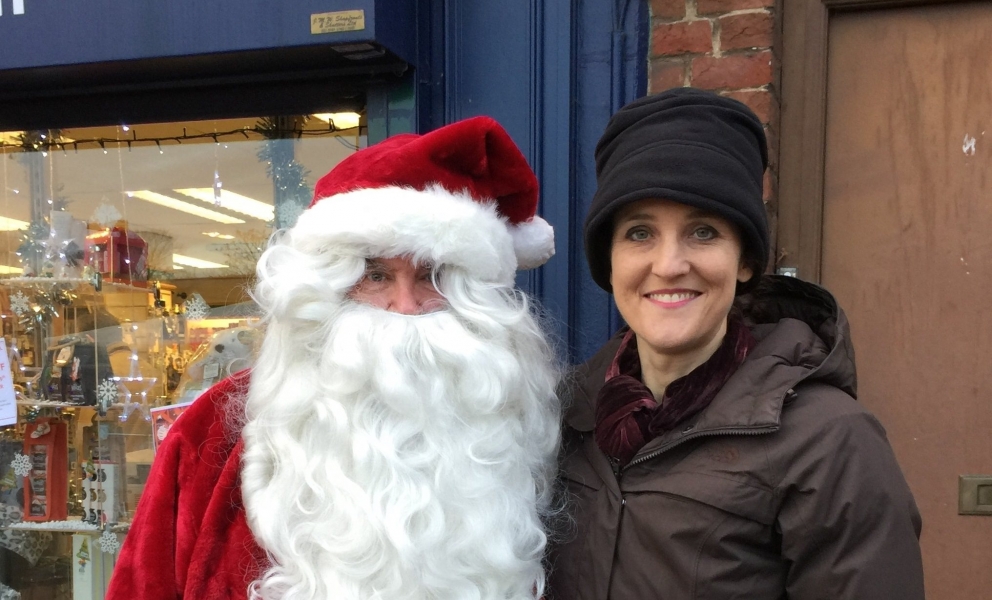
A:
(190, 538)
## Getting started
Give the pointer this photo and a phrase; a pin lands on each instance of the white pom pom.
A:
(533, 243)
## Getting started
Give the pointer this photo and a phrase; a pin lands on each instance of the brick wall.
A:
(727, 46)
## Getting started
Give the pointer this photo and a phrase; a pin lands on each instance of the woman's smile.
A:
(672, 298)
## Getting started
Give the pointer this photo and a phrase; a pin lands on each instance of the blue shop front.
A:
(148, 151)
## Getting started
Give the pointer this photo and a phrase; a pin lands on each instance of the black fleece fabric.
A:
(686, 145)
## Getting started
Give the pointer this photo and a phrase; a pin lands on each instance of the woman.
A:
(714, 449)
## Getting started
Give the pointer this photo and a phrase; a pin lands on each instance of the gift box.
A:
(118, 254)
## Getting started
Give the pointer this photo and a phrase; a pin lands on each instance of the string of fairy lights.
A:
(52, 140)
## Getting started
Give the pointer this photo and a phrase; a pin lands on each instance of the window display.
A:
(126, 254)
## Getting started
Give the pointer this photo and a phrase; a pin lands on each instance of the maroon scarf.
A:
(628, 416)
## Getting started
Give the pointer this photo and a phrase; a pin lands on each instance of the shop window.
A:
(126, 253)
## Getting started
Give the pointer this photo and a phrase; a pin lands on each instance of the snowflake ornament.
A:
(21, 465)
(106, 393)
(20, 304)
(108, 542)
(106, 215)
(196, 308)
(288, 213)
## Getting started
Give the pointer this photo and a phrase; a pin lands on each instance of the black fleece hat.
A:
(689, 146)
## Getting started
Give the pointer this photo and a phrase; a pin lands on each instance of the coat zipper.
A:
(692, 436)
(618, 473)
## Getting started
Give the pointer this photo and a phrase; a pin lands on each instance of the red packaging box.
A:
(46, 489)
(119, 254)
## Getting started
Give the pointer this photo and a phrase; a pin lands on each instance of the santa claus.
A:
(397, 436)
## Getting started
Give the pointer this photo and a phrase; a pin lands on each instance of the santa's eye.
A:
(375, 276)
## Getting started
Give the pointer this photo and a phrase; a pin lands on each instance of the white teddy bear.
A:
(225, 353)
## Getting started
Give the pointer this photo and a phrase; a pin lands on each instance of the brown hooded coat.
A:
(784, 487)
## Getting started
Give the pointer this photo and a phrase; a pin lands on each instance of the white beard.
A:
(391, 457)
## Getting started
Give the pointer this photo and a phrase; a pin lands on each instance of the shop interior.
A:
(127, 253)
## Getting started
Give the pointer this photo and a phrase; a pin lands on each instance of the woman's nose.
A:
(670, 260)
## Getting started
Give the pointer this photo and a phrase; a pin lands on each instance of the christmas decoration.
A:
(109, 544)
(106, 394)
(21, 465)
(288, 213)
(20, 304)
(83, 555)
(32, 248)
(196, 308)
(289, 177)
(106, 214)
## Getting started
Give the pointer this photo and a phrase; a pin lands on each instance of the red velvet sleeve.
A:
(147, 566)
(187, 475)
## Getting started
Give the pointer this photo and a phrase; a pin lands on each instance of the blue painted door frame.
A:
(552, 72)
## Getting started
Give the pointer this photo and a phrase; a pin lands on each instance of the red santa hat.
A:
(462, 195)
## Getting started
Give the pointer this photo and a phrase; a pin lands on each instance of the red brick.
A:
(715, 7)
(760, 101)
(747, 30)
(769, 187)
(732, 72)
(672, 10)
(684, 37)
(666, 74)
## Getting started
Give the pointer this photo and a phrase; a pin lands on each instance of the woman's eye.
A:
(704, 233)
(638, 235)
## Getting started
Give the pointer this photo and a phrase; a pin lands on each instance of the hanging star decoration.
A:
(108, 542)
(20, 304)
(196, 308)
(21, 465)
(106, 214)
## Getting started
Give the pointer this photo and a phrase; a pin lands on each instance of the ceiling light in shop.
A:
(218, 235)
(186, 207)
(342, 120)
(232, 201)
(6, 270)
(7, 224)
(196, 263)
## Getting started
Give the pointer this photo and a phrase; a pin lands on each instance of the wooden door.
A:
(907, 249)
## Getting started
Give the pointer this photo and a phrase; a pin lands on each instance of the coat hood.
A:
(802, 336)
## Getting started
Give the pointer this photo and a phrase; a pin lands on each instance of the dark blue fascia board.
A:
(61, 33)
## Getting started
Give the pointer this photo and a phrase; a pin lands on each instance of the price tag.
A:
(8, 400)
(336, 22)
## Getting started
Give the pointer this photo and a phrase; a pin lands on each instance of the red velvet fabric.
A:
(189, 538)
(475, 155)
(627, 414)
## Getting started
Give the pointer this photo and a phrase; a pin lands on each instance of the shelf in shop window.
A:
(66, 527)
(54, 404)
(70, 281)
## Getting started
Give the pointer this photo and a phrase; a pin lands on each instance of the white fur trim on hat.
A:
(432, 225)
(533, 242)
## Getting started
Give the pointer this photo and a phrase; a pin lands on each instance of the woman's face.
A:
(674, 272)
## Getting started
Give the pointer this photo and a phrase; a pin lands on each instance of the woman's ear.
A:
(744, 270)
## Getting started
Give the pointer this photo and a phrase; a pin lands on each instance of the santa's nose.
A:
(405, 299)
